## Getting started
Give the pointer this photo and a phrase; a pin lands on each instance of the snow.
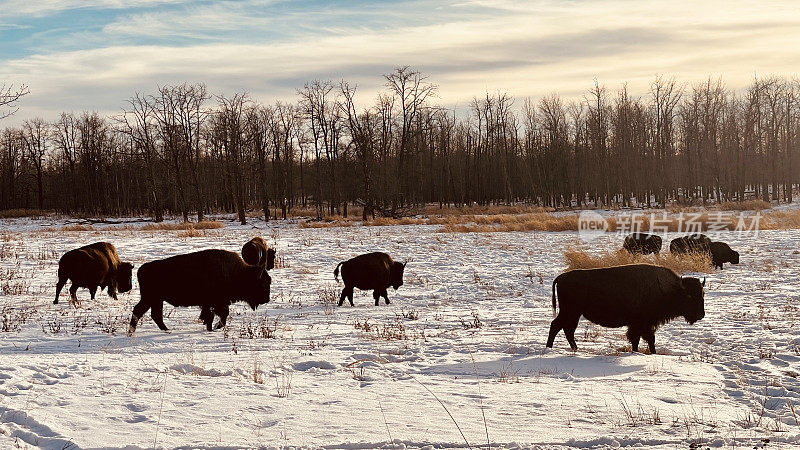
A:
(459, 350)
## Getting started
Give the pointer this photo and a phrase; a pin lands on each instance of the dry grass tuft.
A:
(580, 258)
(540, 221)
(204, 225)
(191, 232)
(781, 220)
(72, 228)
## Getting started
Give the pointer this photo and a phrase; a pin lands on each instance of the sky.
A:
(93, 55)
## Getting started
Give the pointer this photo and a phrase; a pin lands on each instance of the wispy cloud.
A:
(270, 48)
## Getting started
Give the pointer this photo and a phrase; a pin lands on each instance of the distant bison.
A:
(722, 253)
(256, 252)
(212, 279)
(699, 243)
(92, 266)
(643, 243)
(370, 271)
(638, 296)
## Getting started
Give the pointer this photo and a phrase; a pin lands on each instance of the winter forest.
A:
(184, 150)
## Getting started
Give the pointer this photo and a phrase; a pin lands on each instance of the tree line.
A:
(183, 150)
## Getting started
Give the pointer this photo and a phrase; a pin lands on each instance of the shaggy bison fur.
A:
(212, 279)
(722, 253)
(692, 243)
(92, 266)
(638, 296)
(256, 252)
(643, 243)
(370, 271)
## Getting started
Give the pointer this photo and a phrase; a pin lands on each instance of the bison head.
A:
(396, 274)
(257, 291)
(693, 308)
(734, 258)
(270, 258)
(124, 277)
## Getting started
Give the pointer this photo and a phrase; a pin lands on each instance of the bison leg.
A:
(157, 313)
(633, 338)
(222, 311)
(650, 337)
(92, 291)
(555, 327)
(207, 317)
(73, 294)
(348, 293)
(385, 296)
(62, 280)
(112, 291)
(376, 294)
(138, 311)
(570, 325)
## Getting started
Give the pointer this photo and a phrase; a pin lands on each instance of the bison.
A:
(370, 271)
(92, 266)
(638, 296)
(212, 279)
(692, 243)
(643, 243)
(722, 253)
(256, 252)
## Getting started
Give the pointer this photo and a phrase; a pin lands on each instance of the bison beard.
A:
(212, 279)
(638, 296)
(375, 271)
(92, 266)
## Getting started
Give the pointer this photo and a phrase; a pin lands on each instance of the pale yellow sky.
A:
(94, 55)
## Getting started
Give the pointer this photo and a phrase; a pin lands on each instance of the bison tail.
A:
(555, 281)
(336, 271)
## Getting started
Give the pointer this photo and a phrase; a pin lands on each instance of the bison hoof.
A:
(55, 302)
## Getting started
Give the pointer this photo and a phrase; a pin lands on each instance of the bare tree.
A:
(9, 96)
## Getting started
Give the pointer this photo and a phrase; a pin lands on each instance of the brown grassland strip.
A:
(581, 258)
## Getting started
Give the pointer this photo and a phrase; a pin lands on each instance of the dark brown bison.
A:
(643, 243)
(692, 243)
(212, 279)
(92, 266)
(638, 296)
(722, 253)
(370, 271)
(256, 252)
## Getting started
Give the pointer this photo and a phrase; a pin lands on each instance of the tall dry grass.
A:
(581, 258)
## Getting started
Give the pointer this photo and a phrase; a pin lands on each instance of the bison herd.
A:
(640, 297)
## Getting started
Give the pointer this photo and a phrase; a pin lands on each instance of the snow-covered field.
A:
(457, 359)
